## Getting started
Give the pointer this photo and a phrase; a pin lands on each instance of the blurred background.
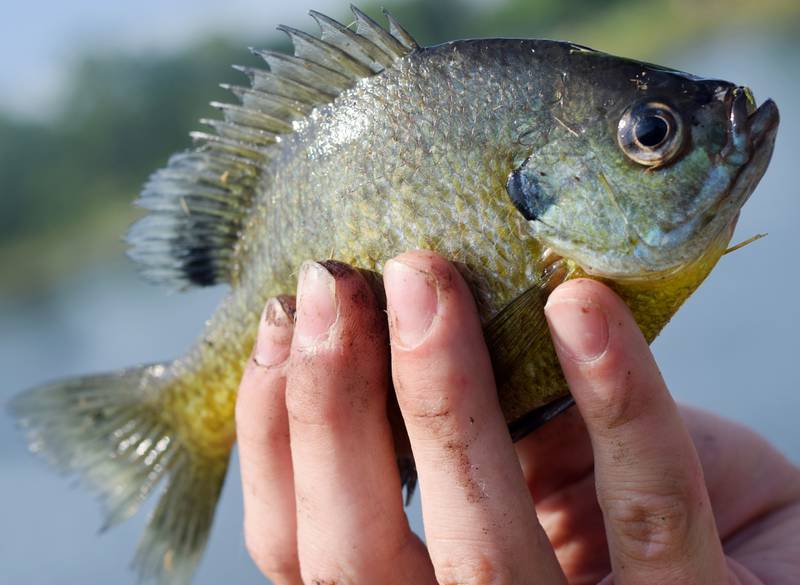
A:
(95, 95)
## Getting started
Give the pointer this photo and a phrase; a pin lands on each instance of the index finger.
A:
(480, 521)
(650, 484)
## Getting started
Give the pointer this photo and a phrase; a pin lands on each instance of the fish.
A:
(524, 162)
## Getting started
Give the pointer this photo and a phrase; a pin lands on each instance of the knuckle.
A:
(330, 383)
(268, 439)
(318, 575)
(434, 402)
(267, 432)
(311, 396)
(305, 411)
(616, 404)
(380, 560)
(243, 415)
(277, 565)
(478, 570)
(650, 527)
(334, 398)
(394, 550)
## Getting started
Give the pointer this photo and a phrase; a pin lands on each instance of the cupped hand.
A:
(620, 490)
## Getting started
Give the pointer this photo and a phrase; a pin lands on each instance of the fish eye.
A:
(650, 133)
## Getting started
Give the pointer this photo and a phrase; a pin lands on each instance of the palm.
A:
(758, 521)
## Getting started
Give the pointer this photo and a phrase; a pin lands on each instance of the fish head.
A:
(642, 169)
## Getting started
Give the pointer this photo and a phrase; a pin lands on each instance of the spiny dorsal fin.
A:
(198, 202)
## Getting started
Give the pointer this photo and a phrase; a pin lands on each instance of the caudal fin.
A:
(109, 429)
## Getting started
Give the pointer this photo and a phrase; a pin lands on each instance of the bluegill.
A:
(526, 162)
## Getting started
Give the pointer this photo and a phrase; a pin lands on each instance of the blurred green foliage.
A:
(65, 182)
(121, 117)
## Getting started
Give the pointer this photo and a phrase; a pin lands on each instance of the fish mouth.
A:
(751, 141)
(752, 136)
(746, 155)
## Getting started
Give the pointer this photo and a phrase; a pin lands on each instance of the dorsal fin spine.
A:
(276, 101)
(270, 104)
(304, 71)
(199, 201)
(265, 80)
(242, 149)
(246, 116)
(398, 32)
(241, 133)
(371, 30)
(311, 48)
(368, 53)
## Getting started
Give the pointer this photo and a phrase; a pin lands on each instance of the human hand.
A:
(322, 490)
(634, 484)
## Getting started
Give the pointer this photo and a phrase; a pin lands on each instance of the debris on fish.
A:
(526, 162)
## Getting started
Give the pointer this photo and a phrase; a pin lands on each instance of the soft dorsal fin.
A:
(198, 202)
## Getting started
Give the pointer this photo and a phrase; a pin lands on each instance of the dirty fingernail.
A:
(275, 332)
(579, 328)
(412, 299)
(316, 302)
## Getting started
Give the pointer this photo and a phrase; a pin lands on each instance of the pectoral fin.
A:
(519, 328)
(530, 384)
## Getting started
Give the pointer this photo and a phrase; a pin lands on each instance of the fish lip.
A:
(751, 141)
(763, 123)
(749, 126)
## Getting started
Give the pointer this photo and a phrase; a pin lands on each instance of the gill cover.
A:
(565, 196)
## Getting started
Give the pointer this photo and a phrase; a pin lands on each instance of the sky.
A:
(37, 40)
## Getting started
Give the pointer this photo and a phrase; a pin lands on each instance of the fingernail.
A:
(412, 299)
(275, 332)
(579, 328)
(316, 302)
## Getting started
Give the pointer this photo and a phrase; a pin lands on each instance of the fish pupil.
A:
(650, 131)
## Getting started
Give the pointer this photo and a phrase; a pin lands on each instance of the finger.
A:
(480, 523)
(732, 455)
(763, 517)
(650, 486)
(262, 429)
(573, 521)
(558, 465)
(556, 455)
(351, 524)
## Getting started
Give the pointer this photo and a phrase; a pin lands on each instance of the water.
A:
(733, 349)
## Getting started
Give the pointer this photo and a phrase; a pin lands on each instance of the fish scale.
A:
(516, 159)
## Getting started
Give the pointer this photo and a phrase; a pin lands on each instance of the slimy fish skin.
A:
(525, 162)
